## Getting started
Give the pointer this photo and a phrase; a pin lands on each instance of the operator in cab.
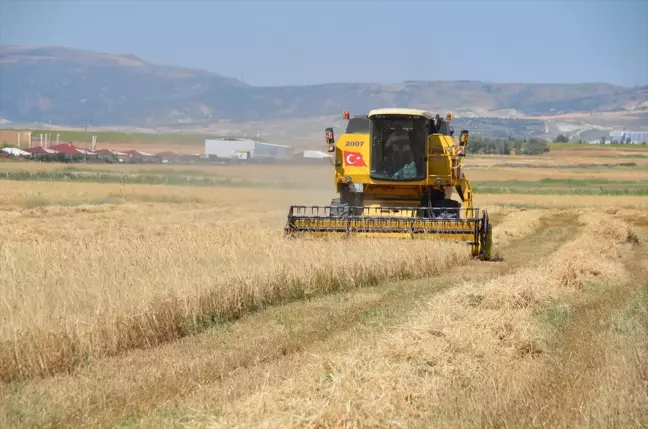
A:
(398, 137)
(402, 156)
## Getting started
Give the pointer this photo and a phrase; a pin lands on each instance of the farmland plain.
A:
(176, 304)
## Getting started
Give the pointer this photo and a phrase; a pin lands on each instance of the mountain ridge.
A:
(69, 86)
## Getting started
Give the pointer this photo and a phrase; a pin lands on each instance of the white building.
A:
(635, 137)
(15, 151)
(245, 148)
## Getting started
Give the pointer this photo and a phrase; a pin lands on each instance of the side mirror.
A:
(463, 140)
(451, 130)
(330, 139)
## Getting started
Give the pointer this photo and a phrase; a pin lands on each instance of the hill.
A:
(70, 86)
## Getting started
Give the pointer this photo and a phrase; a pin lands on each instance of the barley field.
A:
(166, 296)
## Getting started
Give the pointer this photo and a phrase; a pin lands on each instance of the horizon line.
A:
(405, 81)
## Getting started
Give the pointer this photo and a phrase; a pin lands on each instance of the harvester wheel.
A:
(488, 245)
(445, 209)
(339, 209)
(486, 239)
(454, 208)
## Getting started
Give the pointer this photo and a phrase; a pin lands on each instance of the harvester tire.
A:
(486, 253)
(488, 245)
(339, 209)
(445, 209)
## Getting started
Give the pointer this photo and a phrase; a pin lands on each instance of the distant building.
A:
(136, 156)
(245, 149)
(628, 137)
(14, 151)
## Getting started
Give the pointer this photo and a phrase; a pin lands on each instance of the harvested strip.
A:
(458, 363)
(517, 224)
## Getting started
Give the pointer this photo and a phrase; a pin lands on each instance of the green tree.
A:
(536, 147)
(488, 146)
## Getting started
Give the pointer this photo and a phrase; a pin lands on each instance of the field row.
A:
(51, 200)
(462, 343)
(543, 186)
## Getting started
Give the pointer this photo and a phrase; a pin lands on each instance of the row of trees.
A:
(506, 146)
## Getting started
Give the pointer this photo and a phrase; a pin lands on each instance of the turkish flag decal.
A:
(354, 159)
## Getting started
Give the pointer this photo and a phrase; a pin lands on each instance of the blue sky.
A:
(306, 42)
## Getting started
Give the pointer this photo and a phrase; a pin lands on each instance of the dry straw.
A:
(68, 301)
(469, 358)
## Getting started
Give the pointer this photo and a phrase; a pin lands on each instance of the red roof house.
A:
(67, 148)
(40, 149)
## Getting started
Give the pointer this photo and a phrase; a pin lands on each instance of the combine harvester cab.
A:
(395, 173)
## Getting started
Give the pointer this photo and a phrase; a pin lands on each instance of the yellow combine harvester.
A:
(395, 172)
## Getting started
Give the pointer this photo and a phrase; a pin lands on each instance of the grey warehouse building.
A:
(245, 148)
